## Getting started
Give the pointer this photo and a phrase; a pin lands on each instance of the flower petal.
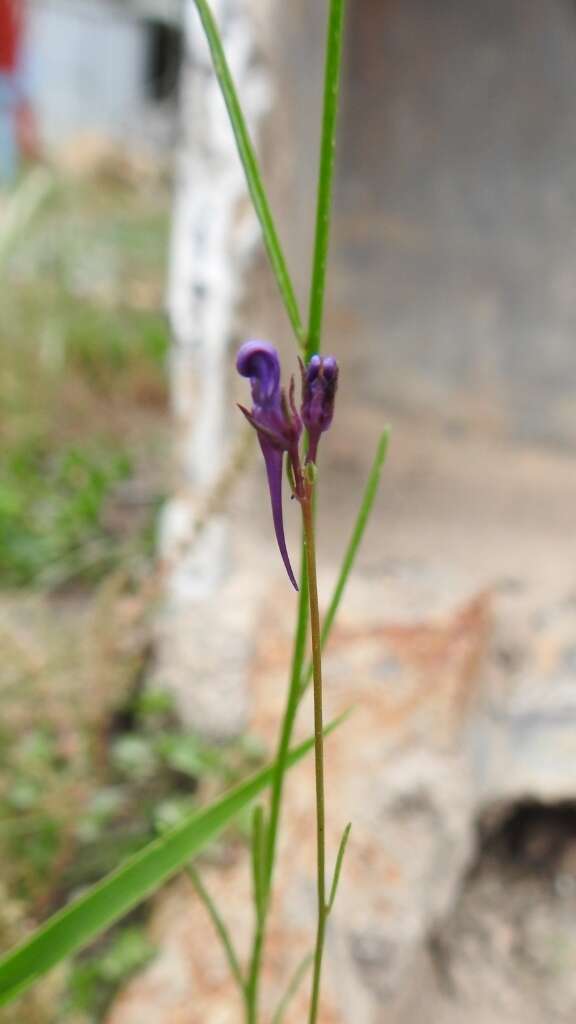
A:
(259, 361)
(274, 459)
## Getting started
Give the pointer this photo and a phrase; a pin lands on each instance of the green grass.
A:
(90, 769)
(82, 352)
(52, 504)
(83, 435)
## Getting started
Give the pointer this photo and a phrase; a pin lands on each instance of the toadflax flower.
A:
(277, 423)
(319, 384)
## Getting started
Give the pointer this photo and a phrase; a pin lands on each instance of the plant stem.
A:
(249, 160)
(333, 64)
(368, 498)
(218, 923)
(288, 719)
(253, 983)
(310, 547)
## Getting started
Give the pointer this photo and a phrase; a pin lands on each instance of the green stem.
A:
(333, 66)
(368, 499)
(310, 547)
(292, 989)
(219, 925)
(289, 717)
(251, 167)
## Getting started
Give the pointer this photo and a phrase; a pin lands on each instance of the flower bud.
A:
(319, 384)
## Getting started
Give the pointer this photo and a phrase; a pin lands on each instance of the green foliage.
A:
(73, 927)
(264, 833)
(293, 986)
(155, 772)
(52, 506)
(87, 344)
(356, 536)
(80, 366)
(27, 828)
(95, 979)
(252, 171)
(82, 391)
(66, 818)
(332, 78)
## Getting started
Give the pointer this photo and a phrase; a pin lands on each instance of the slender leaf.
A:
(72, 928)
(277, 785)
(258, 861)
(288, 718)
(338, 868)
(218, 923)
(332, 76)
(368, 498)
(249, 160)
(296, 981)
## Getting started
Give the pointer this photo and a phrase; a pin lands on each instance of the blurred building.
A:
(457, 208)
(104, 67)
(11, 96)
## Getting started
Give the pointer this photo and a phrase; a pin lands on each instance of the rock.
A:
(203, 648)
(461, 719)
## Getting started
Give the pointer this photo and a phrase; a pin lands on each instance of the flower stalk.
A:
(278, 424)
(310, 548)
(277, 790)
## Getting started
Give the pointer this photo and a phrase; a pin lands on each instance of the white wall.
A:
(86, 70)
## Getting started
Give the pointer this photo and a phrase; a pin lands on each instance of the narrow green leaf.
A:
(251, 169)
(288, 718)
(258, 861)
(280, 766)
(296, 981)
(332, 76)
(219, 924)
(338, 868)
(72, 928)
(368, 498)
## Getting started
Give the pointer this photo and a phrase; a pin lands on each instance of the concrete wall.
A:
(87, 63)
(457, 212)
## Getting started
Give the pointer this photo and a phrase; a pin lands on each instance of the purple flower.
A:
(319, 384)
(277, 423)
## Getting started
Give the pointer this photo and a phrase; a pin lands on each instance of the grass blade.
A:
(75, 926)
(368, 498)
(258, 861)
(277, 784)
(332, 76)
(218, 923)
(296, 981)
(338, 868)
(251, 169)
(288, 719)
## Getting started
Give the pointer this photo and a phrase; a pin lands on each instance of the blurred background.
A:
(451, 309)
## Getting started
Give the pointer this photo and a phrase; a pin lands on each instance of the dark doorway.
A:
(164, 58)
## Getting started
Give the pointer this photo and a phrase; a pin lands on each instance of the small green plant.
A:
(96, 978)
(81, 389)
(52, 507)
(279, 424)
